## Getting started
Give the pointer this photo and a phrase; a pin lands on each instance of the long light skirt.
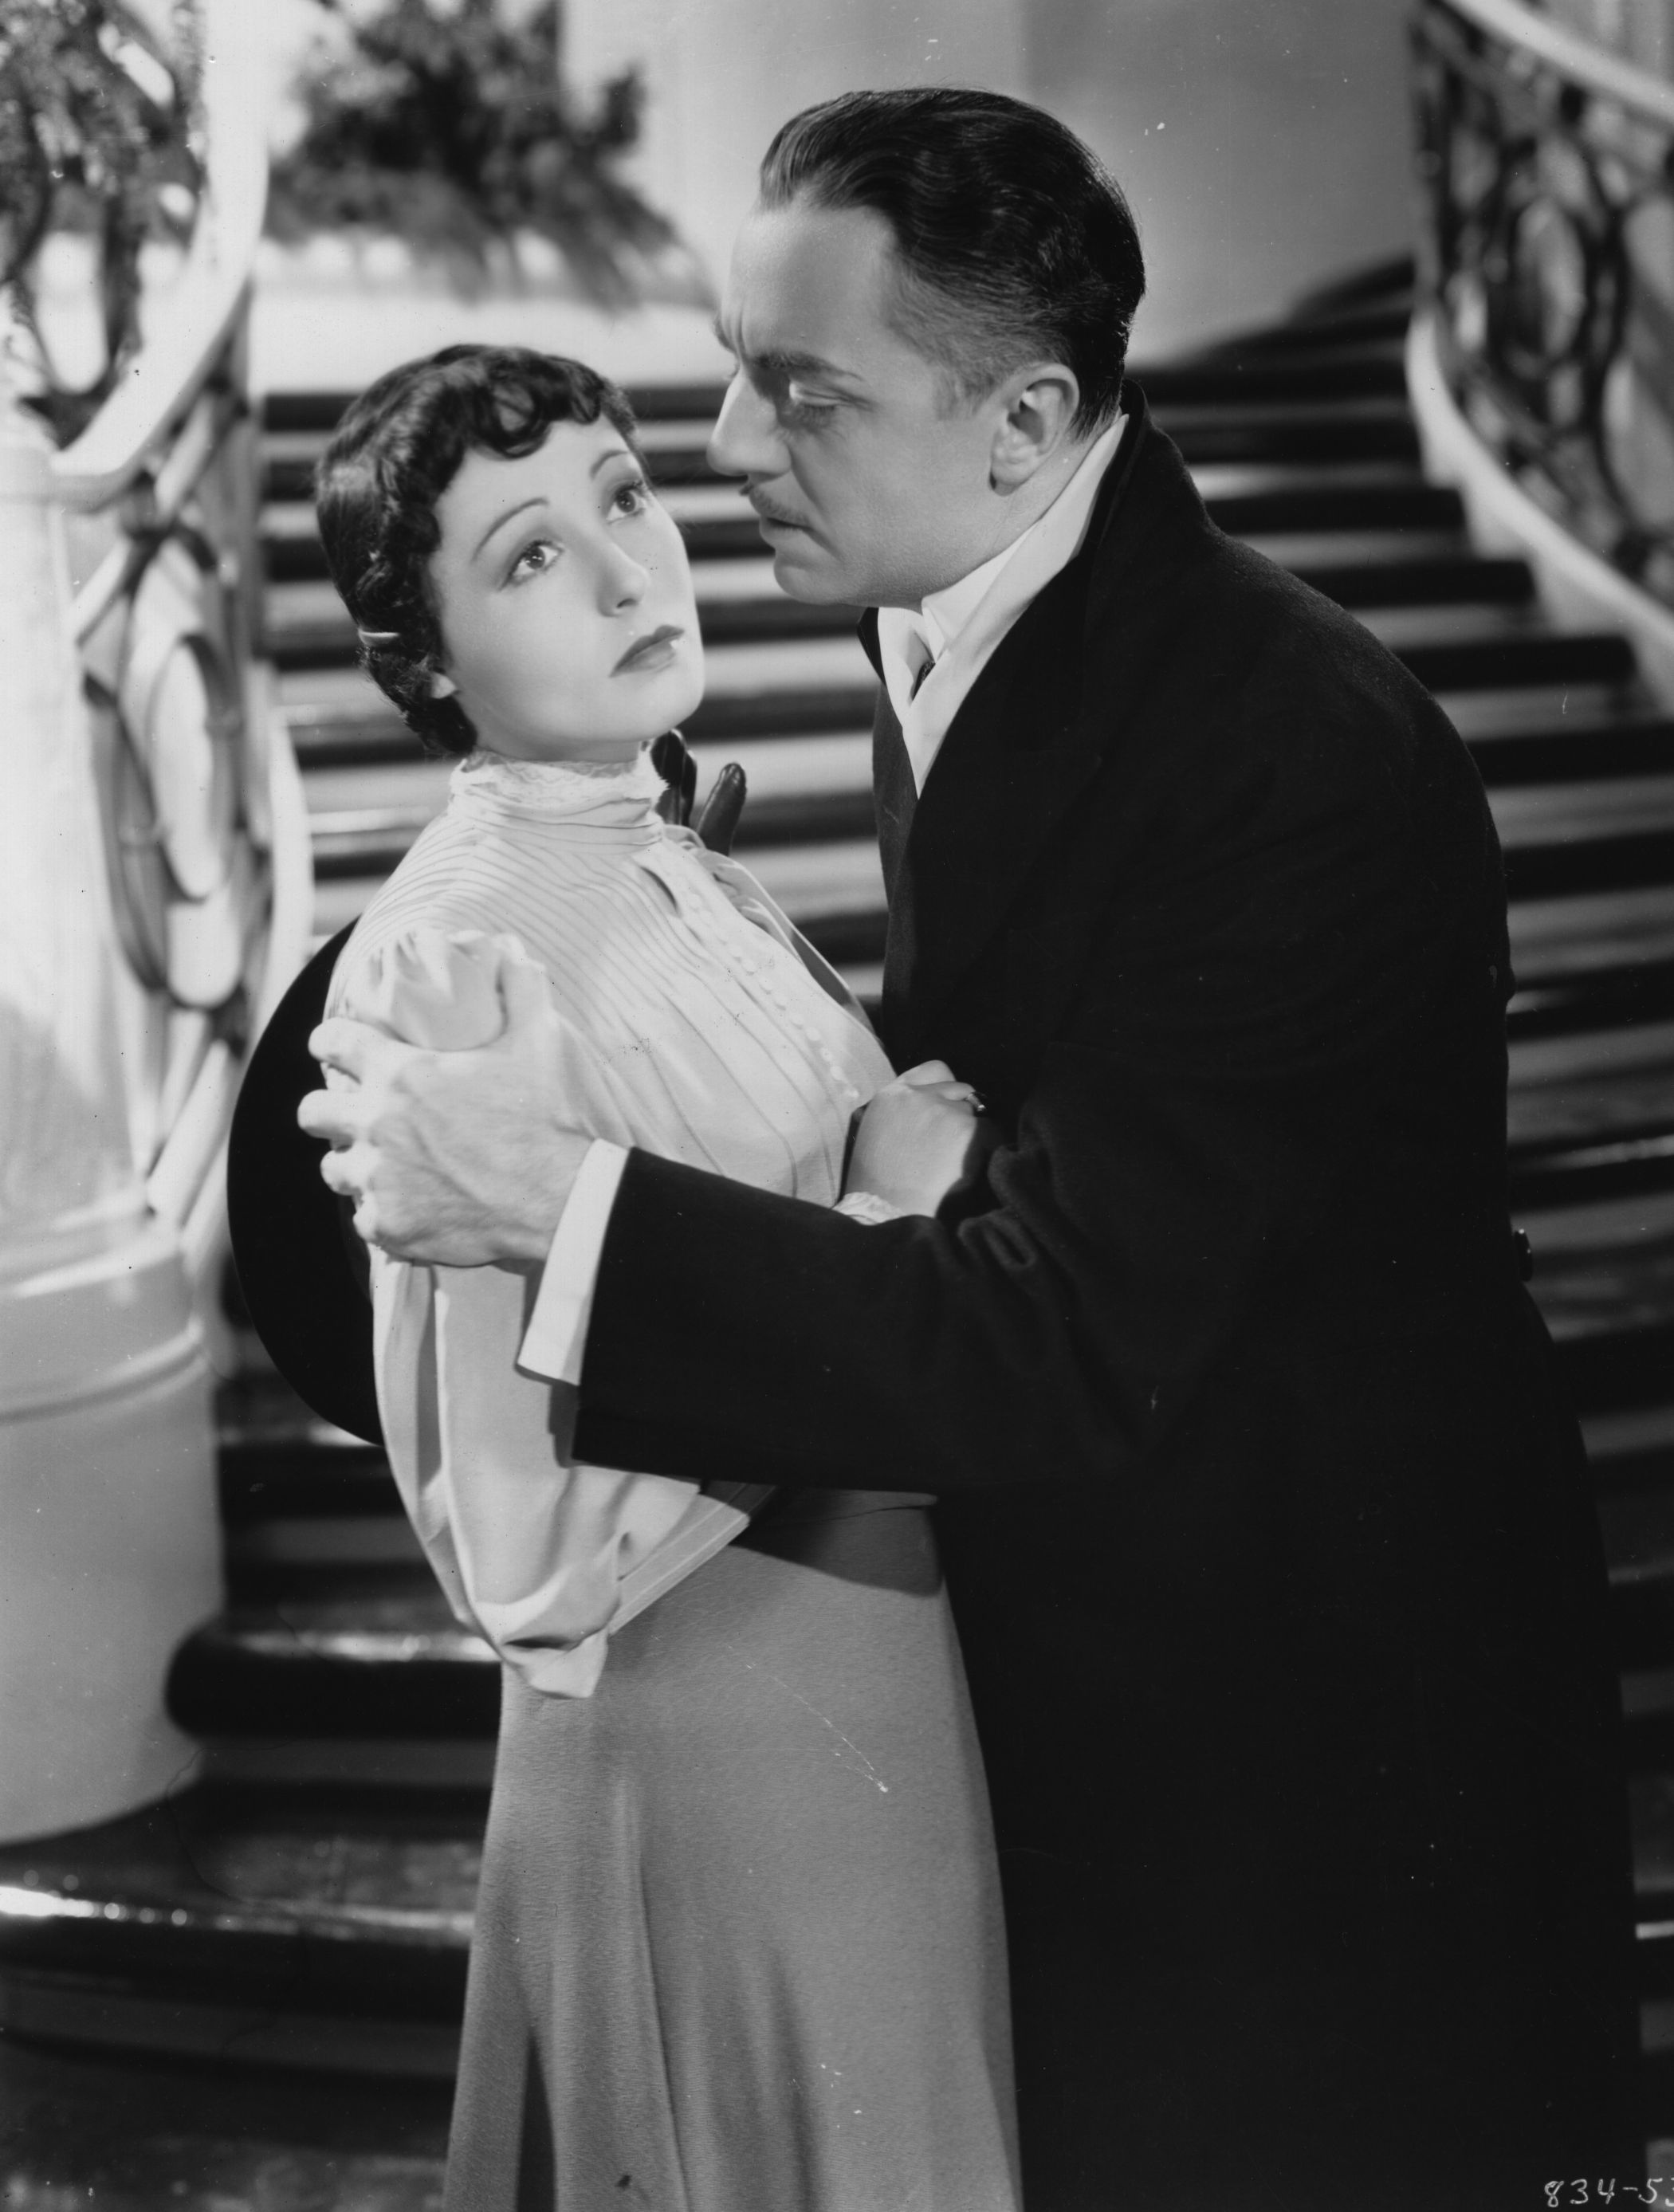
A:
(739, 1946)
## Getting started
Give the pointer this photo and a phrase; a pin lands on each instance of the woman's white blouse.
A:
(694, 1026)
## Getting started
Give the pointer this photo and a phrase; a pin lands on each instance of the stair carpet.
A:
(303, 1901)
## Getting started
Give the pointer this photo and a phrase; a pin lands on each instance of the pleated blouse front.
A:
(692, 1025)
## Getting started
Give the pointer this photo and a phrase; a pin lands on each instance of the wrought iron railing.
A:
(205, 830)
(1547, 165)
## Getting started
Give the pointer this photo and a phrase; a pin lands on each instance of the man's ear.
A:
(1040, 405)
(443, 685)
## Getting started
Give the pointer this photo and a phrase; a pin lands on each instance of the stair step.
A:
(1574, 749)
(396, 1767)
(1624, 860)
(1553, 939)
(1488, 661)
(1415, 580)
(383, 1656)
(1593, 1000)
(1373, 323)
(1582, 809)
(138, 2132)
(1350, 430)
(1631, 1451)
(1612, 1373)
(1604, 1268)
(217, 1918)
(1321, 372)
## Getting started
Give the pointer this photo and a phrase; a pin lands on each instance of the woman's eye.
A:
(633, 497)
(533, 560)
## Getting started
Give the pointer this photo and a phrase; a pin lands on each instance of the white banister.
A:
(1641, 94)
(156, 885)
(109, 1548)
(166, 375)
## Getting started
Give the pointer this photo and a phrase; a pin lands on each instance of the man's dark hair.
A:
(1012, 241)
(393, 454)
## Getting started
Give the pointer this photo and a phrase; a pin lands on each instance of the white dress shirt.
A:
(960, 627)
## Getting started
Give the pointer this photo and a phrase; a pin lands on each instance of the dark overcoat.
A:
(1266, 1527)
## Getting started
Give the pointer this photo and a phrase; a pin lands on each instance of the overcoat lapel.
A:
(1022, 748)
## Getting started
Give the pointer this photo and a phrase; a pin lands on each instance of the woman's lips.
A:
(654, 650)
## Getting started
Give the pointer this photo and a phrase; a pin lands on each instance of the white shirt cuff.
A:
(866, 1205)
(555, 1343)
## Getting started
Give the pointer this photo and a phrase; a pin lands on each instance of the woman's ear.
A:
(1040, 405)
(443, 685)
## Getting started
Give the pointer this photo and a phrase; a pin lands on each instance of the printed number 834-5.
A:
(1604, 2192)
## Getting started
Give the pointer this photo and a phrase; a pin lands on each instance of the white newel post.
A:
(109, 1539)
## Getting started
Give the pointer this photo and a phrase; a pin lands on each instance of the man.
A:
(1268, 1541)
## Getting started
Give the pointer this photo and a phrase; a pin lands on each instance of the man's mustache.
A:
(766, 512)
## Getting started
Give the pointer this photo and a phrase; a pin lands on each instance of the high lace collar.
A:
(593, 794)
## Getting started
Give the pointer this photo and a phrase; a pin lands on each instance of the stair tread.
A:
(367, 1623)
(1580, 812)
(138, 2132)
(205, 1863)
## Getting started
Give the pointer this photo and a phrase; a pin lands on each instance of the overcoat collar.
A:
(1030, 736)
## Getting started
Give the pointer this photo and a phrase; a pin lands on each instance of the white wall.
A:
(1264, 143)
(721, 77)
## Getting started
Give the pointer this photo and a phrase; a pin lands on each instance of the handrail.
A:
(1639, 92)
(171, 368)
(1548, 168)
(205, 832)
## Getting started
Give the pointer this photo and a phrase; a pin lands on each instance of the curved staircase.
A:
(288, 1932)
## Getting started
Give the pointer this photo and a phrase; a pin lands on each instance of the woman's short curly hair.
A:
(393, 454)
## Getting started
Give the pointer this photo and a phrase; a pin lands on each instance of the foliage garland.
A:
(99, 133)
(453, 131)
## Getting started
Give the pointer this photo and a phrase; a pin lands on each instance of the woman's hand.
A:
(914, 1137)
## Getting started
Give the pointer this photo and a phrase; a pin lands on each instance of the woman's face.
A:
(569, 628)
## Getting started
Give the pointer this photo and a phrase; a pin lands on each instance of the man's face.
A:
(872, 488)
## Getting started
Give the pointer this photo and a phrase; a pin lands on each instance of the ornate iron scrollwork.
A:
(1550, 254)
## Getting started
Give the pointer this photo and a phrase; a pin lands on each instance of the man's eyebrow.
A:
(783, 362)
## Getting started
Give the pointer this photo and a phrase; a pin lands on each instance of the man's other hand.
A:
(450, 1157)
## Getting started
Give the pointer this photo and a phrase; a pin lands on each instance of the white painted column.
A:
(721, 76)
(109, 1537)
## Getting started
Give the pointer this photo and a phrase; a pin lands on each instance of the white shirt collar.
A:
(966, 622)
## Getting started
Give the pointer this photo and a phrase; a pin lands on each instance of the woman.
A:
(739, 1944)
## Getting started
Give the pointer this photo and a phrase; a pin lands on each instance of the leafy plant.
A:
(454, 132)
(98, 134)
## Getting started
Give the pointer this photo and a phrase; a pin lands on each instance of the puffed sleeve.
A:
(541, 1554)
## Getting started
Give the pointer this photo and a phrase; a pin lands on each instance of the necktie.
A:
(924, 667)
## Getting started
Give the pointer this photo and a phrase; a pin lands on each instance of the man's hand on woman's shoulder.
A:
(454, 1158)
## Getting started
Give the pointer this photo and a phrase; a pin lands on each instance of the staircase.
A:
(291, 1929)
